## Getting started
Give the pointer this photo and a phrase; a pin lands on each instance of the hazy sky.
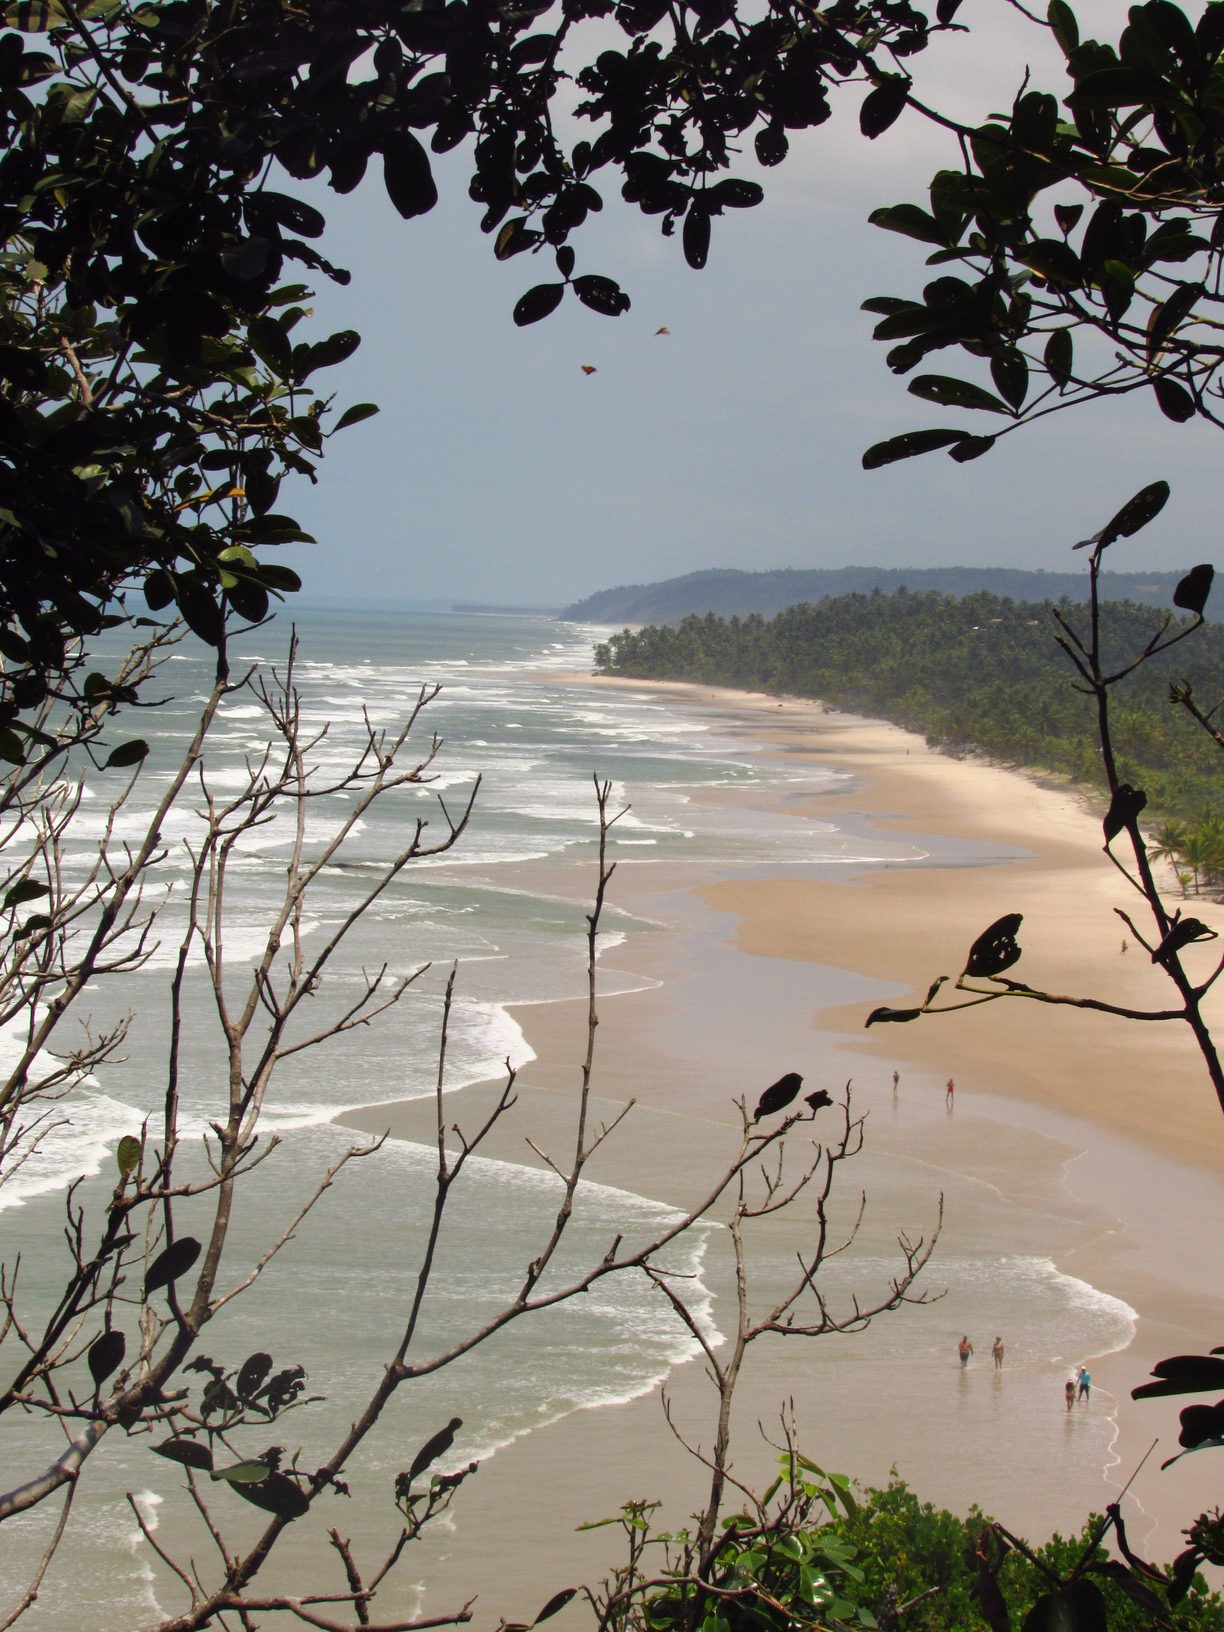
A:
(498, 471)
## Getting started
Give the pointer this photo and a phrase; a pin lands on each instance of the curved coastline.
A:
(1140, 1130)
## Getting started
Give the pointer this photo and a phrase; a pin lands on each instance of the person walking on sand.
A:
(896, 1080)
(949, 1090)
(964, 1349)
(1085, 1383)
(997, 1353)
(1069, 1392)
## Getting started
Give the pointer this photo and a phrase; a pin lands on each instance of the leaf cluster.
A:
(1087, 237)
(883, 1557)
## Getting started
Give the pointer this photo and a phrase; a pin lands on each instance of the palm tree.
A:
(1168, 843)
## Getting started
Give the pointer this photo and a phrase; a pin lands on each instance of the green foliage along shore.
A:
(980, 673)
(879, 1559)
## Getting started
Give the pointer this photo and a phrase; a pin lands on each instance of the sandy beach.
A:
(1102, 1137)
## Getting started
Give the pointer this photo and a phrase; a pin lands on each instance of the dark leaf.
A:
(1192, 592)
(736, 194)
(1166, 318)
(1173, 400)
(1135, 513)
(276, 1494)
(277, 578)
(1120, 87)
(1059, 355)
(909, 446)
(327, 353)
(995, 948)
(106, 1355)
(887, 1016)
(933, 991)
(696, 236)
(538, 303)
(1183, 1374)
(818, 1099)
(434, 1448)
(883, 106)
(187, 1451)
(1123, 810)
(772, 145)
(158, 589)
(1051, 258)
(602, 295)
(778, 1094)
(1009, 371)
(910, 220)
(565, 260)
(556, 1602)
(950, 393)
(989, 1554)
(254, 1370)
(1063, 25)
(1184, 932)
(971, 447)
(169, 1265)
(1201, 1425)
(515, 236)
(945, 10)
(127, 753)
(354, 414)
(1131, 1585)
(1077, 1607)
(1185, 1567)
(272, 529)
(408, 177)
(25, 889)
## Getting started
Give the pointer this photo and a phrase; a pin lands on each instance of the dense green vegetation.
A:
(979, 673)
(889, 1558)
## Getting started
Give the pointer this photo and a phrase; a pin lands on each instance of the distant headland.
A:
(730, 592)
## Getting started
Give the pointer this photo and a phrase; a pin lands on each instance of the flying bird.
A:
(662, 331)
(819, 1099)
(589, 368)
(778, 1094)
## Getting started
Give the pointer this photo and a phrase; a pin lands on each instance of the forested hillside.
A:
(980, 672)
(731, 593)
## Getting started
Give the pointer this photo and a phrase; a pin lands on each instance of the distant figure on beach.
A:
(964, 1348)
(949, 1090)
(896, 1080)
(997, 1353)
(1123, 952)
(1085, 1383)
(1069, 1392)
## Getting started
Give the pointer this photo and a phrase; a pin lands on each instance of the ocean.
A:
(697, 794)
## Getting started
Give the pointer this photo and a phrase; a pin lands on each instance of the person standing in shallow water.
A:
(997, 1353)
(964, 1349)
(1085, 1383)
(1069, 1392)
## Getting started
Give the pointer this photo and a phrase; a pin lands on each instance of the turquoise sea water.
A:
(504, 713)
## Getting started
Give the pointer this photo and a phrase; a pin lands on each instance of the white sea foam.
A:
(72, 1139)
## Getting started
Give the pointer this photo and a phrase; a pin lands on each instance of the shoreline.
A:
(887, 930)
